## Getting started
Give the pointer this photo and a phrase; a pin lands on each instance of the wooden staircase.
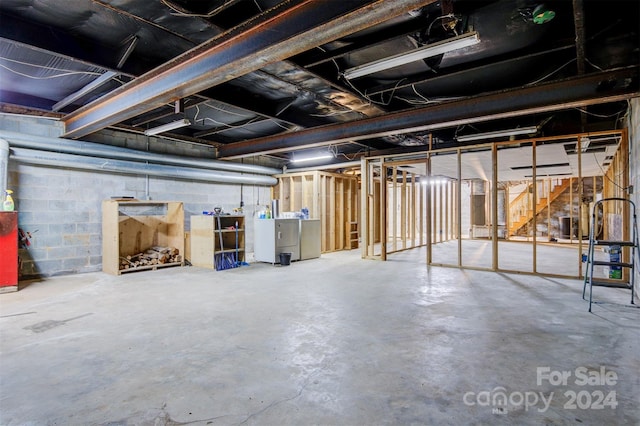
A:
(541, 205)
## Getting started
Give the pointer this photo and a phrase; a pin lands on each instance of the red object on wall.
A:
(8, 251)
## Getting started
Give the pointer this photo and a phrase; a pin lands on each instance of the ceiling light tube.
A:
(498, 134)
(166, 127)
(94, 85)
(307, 159)
(459, 42)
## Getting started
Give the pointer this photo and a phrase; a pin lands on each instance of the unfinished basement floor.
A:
(330, 341)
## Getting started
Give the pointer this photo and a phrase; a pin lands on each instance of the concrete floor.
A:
(551, 259)
(329, 341)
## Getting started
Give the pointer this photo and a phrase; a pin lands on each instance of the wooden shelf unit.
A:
(131, 227)
(205, 238)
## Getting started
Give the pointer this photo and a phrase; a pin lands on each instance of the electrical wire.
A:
(332, 114)
(427, 101)
(178, 12)
(413, 86)
(411, 101)
(551, 73)
(280, 125)
(599, 115)
(332, 59)
(393, 91)
(607, 177)
(225, 110)
(64, 72)
(593, 65)
(220, 123)
(449, 15)
(626, 114)
(334, 150)
(368, 98)
(371, 101)
(195, 119)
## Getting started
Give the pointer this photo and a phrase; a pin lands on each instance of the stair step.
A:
(598, 283)
(606, 263)
(613, 243)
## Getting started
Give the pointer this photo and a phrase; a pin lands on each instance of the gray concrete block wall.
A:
(37, 126)
(62, 211)
(61, 208)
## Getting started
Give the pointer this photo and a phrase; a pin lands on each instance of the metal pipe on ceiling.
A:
(578, 21)
(94, 164)
(589, 89)
(21, 140)
(330, 166)
(579, 24)
(287, 29)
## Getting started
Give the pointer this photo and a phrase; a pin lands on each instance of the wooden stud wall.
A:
(331, 197)
(615, 184)
(414, 209)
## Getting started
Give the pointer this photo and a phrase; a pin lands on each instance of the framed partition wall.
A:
(514, 206)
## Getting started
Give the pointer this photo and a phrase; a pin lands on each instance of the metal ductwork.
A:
(54, 159)
(21, 140)
(4, 164)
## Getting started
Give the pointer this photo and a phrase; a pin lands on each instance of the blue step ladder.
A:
(619, 264)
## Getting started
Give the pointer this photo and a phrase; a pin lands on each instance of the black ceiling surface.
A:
(291, 99)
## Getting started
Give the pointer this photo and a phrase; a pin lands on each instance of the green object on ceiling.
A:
(542, 15)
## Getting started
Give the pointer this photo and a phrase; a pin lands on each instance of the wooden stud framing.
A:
(382, 205)
(412, 211)
(571, 210)
(429, 210)
(393, 211)
(459, 207)
(403, 209)
(419, 211)
(330, 197)
(548, 209)
(440, 212)
(447, 212)
(494, 206)
(435, 213)
(580, 195)
(534, 204)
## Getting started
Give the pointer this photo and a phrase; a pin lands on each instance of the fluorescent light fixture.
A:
(585, 141)
(433, 180)
(500, 133)
(169, 126)
(315, 157)
(423, 52)
(95, 84)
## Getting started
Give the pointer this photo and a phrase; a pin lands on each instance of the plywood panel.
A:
(132, 227)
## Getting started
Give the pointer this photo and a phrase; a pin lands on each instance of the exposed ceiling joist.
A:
(609, 86)
(289, 28)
